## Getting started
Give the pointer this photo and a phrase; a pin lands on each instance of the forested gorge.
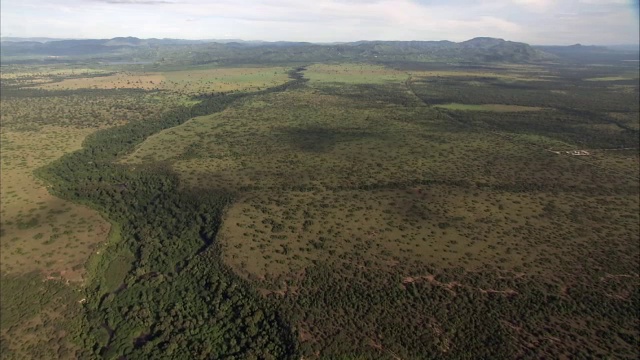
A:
(177, 300)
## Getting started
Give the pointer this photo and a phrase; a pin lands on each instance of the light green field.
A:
(353, 74)
(16, 72)
(613, 78)
(188, 82)
(226, 79)
(508, 74)
(41, 232)
(488, 107)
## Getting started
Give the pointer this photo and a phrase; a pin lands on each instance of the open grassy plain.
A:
(41, 232)
(357, 73)
(192, 82)
(44, 238)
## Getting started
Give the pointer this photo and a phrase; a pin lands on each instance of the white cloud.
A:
(536, 5)
(533, 21)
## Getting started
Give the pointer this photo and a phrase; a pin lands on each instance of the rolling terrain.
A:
(167, 52)
(396, 200)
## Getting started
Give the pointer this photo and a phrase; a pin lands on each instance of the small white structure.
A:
(579, 153)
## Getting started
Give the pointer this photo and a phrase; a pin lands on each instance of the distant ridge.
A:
(592, 53)
(479, 49)
(35, 39)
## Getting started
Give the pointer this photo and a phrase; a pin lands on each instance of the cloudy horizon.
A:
(598, 22)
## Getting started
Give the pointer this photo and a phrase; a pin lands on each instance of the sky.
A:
(539, 22)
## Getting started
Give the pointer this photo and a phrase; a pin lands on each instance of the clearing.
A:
(192, 82)
(41, 232)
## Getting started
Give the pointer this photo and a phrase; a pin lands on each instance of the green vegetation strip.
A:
(177, 295)
(613, 78)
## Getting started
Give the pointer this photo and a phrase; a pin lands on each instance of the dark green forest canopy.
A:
(180, 296)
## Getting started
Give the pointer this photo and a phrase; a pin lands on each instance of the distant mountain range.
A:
(130, 38)
(582, 53)
(83, 46)
(480, 49)
(22, 39)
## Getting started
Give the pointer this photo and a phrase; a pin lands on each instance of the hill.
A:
(591, 54)
(205, 51)
(181, 52)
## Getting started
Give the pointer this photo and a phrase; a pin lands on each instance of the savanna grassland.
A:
(191, 81)
(48, 112)
(41, 231)
(407, 174)
(399, 210)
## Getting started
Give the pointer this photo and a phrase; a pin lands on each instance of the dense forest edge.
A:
(164, 235)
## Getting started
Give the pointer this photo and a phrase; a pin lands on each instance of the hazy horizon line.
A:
(308, 42)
